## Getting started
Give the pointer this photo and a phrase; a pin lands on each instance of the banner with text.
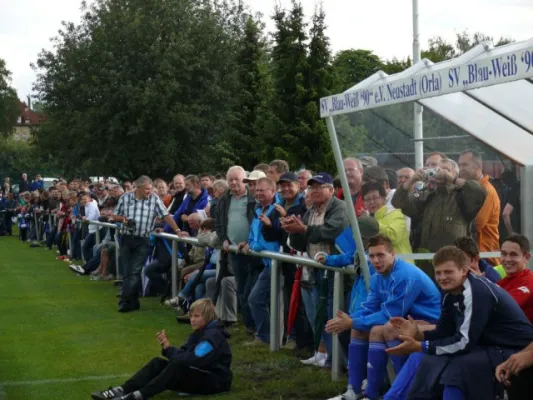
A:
(505, 67)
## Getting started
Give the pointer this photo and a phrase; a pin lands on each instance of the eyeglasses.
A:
(372, 199)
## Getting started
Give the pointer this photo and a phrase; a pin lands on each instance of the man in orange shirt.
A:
(488, 218)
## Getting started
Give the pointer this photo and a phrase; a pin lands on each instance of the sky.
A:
(383, 26)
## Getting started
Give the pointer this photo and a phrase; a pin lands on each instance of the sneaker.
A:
(77, 269)
(312, 360)
(290, 345)
(174, 302)
(348, 395)
(364, 384)
(111, 393)
(320, 363)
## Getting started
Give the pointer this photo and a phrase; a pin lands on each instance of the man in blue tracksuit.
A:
(480, 326)
(397, 289)
(265, 234)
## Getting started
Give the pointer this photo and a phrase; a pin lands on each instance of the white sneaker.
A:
(314, 359)
(320, 363)
(364, 384)
(77, 269)
(348, 395)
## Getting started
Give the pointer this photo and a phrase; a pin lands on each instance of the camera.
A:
(430, 173)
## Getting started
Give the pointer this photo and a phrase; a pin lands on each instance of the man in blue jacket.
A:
(397, 289)
(480, 326)
(265, 234)
(197, 199)
(37, 184)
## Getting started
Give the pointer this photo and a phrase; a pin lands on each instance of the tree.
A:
(354, 65)
(288, 128)
(316, 150)
(245, 145)
(8, 102)
(153, 83)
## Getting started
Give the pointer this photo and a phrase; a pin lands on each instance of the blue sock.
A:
(357, 359)
(397, 361)
(452, 393)
(376, 369)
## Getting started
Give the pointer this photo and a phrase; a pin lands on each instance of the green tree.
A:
(245, 144)
(8, 102)
(354, 65)
(316, 150)
(288, 127)
(152, 83)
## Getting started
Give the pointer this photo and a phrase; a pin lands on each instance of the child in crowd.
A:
(201, 366)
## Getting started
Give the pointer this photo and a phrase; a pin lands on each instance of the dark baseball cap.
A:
(288, 177)
(322, 178)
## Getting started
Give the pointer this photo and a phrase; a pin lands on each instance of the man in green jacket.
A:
(447, 206)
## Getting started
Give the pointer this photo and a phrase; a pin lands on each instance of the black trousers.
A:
(133, 253)
(521, 386)
(160, 375)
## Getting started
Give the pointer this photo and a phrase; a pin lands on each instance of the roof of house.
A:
(27, 114)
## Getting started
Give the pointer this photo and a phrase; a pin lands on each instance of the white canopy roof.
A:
(488, 92)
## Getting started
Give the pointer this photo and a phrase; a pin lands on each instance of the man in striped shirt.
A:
(137, 210)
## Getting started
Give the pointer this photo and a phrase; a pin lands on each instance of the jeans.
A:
(259, 303)
(161, 265)
(199, 289)
(76, 245)
(246, 272)
(133, 251)
(310, 302)
(88, 244)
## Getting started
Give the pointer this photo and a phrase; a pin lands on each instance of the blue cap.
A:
(322, 178)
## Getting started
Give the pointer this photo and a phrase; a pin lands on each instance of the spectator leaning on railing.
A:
(141, 207)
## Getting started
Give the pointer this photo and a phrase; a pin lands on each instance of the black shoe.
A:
(126, 397)
(124, 308)
(107, 394)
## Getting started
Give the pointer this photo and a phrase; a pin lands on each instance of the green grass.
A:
(55, 325)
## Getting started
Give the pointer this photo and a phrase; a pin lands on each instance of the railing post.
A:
(37, 233)
(97, 235)
(174, 257)
(117, 254)
(275, 334)
(336, 361)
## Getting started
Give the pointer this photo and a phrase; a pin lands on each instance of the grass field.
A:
(61, 338)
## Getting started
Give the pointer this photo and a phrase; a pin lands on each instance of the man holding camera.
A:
(446, 204)
(137, 211)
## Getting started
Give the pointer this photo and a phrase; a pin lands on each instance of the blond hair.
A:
(206, 308)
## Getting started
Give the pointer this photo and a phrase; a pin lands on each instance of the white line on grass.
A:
(53, 381)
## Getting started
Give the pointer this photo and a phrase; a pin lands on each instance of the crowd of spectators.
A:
(457, 327)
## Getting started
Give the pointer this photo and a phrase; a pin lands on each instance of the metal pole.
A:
(174, 278)
(117, 254)
(336, 360)
(37, 233)
(274, 307)
(349, 204)
(526, 193)
(418, 109)
(97, 235)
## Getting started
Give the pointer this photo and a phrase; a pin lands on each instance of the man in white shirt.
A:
(92, 213)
